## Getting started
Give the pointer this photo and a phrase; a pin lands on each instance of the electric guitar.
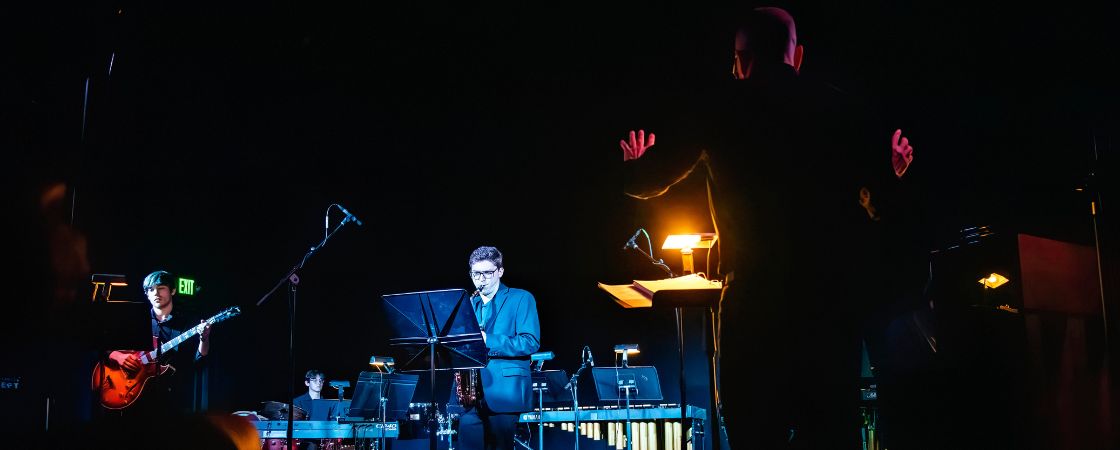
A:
(119, 388)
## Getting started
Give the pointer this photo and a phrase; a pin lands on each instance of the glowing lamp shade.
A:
(687, 242)
(626, 350)
(629, 349)
(382, 363)
(993, 281)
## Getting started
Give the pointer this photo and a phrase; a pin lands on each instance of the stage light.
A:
(382, 363)
(993, 281)
(103, 284)
(687, 242)
(626, 350)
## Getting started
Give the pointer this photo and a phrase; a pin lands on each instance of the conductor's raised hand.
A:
(637, 145)
(902, 154)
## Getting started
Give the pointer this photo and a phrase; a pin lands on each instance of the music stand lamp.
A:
(625, 350)
(685, 243)
(383, 364)
(341, 385)
(536, 361)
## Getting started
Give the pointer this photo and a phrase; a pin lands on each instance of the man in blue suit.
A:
(510, 328)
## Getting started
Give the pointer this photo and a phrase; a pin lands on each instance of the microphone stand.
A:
(649, 256)
(293, 280)
(573, 385)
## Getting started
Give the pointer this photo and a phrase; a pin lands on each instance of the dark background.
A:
(225, 131)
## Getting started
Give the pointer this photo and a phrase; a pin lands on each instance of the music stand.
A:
(549, 384)
(382, 397)
(634, 383)
(436, 330)
(678, 299)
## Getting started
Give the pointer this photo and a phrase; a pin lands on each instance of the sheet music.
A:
(627, 295)
(692, 281)
(639, 294)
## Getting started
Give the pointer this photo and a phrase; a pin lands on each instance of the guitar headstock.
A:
(225, 314)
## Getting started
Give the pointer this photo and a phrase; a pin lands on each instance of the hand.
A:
(902, 154)
(637, 145)
(204, 334)
(126, 361)
(865, 202)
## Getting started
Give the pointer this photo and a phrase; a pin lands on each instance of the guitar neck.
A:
(172, 344)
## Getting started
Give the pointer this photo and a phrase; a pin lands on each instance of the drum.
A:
(279, 411)
(278, 444)
(251, 415)
(266, 444)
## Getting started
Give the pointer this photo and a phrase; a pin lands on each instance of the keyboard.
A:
(326, 429)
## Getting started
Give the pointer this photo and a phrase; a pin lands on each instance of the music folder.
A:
(688, 290)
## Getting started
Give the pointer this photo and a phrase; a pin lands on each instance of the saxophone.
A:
(468, 382)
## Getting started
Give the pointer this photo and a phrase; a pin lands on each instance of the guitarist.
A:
(170, 391)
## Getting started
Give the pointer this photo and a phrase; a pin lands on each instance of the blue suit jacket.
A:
(512, 334)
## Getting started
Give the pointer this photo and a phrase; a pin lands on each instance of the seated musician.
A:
(511, 331)
(314, 380)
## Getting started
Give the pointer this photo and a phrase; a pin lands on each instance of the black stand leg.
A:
(684, 397)
(293, 280)
(713, 378)
(432, 400)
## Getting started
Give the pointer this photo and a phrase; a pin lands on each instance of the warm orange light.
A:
(682, 241)
(687, 242)
(993, 281)
(630, 349)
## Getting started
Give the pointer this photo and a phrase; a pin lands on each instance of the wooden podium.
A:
(689, 291)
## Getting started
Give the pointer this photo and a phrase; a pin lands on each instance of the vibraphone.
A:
(654, 427)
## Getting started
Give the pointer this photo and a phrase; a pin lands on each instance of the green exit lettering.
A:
(186, 286)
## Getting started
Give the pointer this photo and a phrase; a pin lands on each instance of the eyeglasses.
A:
(484, 274)
(315, 380)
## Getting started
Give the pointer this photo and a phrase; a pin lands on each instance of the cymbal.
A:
(279, 411)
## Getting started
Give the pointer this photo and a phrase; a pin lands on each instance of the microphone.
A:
(630, 243)
(590, 357)
(350, 216)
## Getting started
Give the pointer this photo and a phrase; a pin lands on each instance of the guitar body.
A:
(117, 388)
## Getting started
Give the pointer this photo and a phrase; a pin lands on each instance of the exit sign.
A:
(186, 286)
